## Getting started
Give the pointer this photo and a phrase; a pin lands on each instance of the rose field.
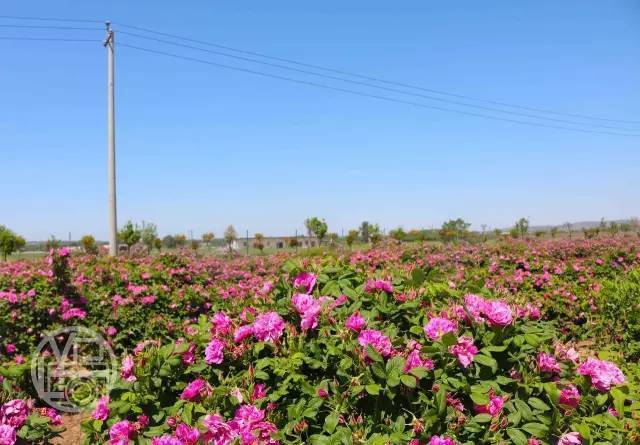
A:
(523, 342)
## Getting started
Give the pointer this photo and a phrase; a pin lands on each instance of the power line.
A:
(364, 94)
(53, 39)
(347, 73)
(375, 79)
(49, 19)
(370, 85)
(64, 28)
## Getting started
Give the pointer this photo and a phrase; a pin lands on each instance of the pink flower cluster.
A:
(495, 312)
(547, 363)
(603, 374)
(308, 308)
(465, 350)
(377, 340)
(266, 327)
(436, 327)
(372, 286)
(305, 281)
(198, 389)
(214, 352)
(355, 322)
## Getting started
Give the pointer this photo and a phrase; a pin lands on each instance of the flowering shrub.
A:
(420, 345)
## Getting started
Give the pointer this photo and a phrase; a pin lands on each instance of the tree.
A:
(148, 234)
(10, 242)
(230, 235)
(181, 240)
(129, 234)
(539, 233)
(522, 226)
(553, 232)
(364, 231)
(333, 238)
(514, 232)
(318, 227)
(569, 228)
(351, 237)
(207, 238)
(157, 243)
(258, 242)
(169, 242)
(88, 244)
(294, 242)
(398, 234)
(195, 244)
(375, 235)
(454, 229)
(613, 228)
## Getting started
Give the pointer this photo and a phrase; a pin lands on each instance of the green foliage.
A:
(316, 226)
(129, 234)
(89, 245)
(10, 242)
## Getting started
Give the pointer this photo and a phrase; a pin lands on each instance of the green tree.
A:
(129, 234)
(89, 245)
(351, 237)
(169, 242)
(148, 234)
(10, 242)
(553, 232)
(454, 230)
(207, 238)
(181, 240)
(364, 231)
(375, 235)
(398, 234)
(230, 235)
(317, 226)
(157, 243)
(333, 238)
(258, 242)
(522, 226)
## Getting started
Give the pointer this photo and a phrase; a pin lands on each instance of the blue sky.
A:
(201, 147)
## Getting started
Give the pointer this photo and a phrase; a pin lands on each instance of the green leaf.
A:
(480, 398)
(318, 439)
(517, 436)
(536, 429)
(373, 354)
(408, 380)
(523, 409)
(487, 361)
(419, 372)
(372, 389)
(482, 418)
(330, 423)
(441, 400)
(618, 400)
(538, 404)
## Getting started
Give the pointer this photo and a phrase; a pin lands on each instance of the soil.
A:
(73, 434)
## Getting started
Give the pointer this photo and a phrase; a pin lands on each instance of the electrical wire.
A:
(52, 39)
(370, 85)
(49, 19)
(364, 94)
(61, 28)
(375, 79)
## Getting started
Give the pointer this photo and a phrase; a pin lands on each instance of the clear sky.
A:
(200, 147)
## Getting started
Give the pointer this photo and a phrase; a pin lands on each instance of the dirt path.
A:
(73, 434)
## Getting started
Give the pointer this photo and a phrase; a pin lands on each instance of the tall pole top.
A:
(109, 39)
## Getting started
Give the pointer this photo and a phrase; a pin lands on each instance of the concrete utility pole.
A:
(109, 43)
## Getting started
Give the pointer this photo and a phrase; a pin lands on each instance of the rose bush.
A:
(400, 344)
